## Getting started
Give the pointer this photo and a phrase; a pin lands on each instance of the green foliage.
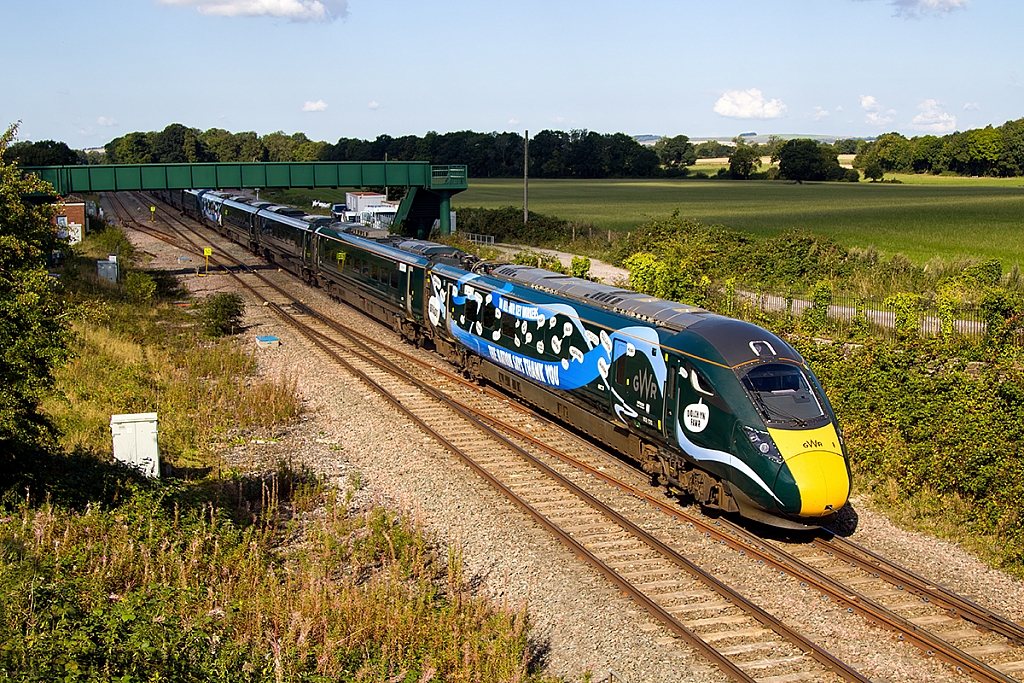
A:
(815, 317)
(506, 225)
(1002, 312)
(906, 309)
(243, 578)
(948, 304)
(948, 217)
(44, 153)
(580, 267)
(668, 279)
(35, 338)
(140, 287)
(804, 159)
(921, 421)
(712, 149)
(743, 161)
(528, 257)
(676, 152)
(221, 314)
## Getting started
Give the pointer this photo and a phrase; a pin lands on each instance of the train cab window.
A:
(670, 390)
(472, 309)
(783, 394)
(488, 315)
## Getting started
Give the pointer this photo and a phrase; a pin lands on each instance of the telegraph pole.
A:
(526, 177)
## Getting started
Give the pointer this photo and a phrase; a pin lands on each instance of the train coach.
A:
(716, 407)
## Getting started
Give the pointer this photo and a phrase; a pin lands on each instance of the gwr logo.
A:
(812, 443)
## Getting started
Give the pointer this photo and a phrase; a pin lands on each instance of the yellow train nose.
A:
(822, 480)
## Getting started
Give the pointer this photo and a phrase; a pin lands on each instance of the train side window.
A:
(373, 271)
(508, 326)
(489, 315)
(385, 275)
(366, 268)
(394, 279)
(472, 309)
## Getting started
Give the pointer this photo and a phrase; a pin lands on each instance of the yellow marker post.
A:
(152, 214)
(206, 252)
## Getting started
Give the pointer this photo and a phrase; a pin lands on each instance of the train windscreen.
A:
(783, 395)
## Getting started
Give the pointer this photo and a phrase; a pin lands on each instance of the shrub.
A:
(580, 267)
(140, 287)
(221, 314)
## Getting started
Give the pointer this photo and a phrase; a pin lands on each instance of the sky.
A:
(85, 72)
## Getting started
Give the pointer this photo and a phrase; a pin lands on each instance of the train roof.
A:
(378, 248)
(232, 203)
(668, 314)
(283, 218)
(425, 248)
(735, 342)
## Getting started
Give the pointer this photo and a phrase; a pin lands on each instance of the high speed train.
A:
(713, 406)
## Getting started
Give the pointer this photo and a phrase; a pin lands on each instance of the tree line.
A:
(989, 151)
(577, 153)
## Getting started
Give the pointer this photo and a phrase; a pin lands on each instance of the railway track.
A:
(565, 484)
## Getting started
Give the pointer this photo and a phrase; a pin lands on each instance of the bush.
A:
(139, 286)
(506, 225)
(221, 314)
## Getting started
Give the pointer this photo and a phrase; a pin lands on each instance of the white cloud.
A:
(558, 119)
(875, 116)
(748, 104)
(513, 122)
(321, 11)
(971, 106)
(912, 9)
(375, 105)
(104, 121)
(819, 114)
(839, 108)
(933, 119)
(319, 105)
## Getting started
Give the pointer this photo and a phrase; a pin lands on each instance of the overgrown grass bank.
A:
(223, 576)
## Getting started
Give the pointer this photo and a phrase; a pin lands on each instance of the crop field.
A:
(922, 218)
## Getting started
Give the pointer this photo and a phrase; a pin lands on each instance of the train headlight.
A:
(764, 444)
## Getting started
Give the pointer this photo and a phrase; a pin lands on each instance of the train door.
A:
(673, 365)
(637, 392)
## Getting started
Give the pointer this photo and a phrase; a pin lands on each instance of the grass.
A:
(972, 217)
(224, 576)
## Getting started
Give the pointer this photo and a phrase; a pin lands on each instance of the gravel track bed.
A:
(580, 622)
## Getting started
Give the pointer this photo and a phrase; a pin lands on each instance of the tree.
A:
(744, 160)
(873, 171)
(676, 152)
(712, 149)
(134, 148)
(34, 332)
(801, 160)
(45, 153)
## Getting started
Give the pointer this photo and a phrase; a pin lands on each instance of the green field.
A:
(924, 217)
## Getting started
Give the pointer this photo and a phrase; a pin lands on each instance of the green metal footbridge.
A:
(427, 199)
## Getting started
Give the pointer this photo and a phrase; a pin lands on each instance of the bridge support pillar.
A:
(446, 213)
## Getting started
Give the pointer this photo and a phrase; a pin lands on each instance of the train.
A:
(711, 406)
